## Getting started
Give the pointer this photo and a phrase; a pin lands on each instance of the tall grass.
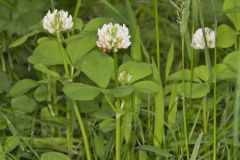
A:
(157, 33)
(159, 133)
(76, 11)
(215, 88)
(185, 12)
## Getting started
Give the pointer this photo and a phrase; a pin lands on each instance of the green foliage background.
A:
(39, 104)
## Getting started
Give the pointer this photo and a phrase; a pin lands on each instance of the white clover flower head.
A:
(57, 21)
(124, 77)
(198, 39)
(112, 37)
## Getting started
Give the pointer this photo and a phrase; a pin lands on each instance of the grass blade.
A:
(170, 59)
(159, 110)
(155, 150)
(131, 17)
(172, 108)
(114, 10)
(196, 147)
(136, 53)
(157, 34)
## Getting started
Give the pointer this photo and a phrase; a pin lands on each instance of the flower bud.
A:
(124, 78)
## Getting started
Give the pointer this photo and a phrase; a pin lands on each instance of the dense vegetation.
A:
(72, 89)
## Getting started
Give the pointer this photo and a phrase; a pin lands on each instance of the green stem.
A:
(110, 103)
(33, 127)
(3, 62)
(215, 90)
(62, 54)
(118, 113)
(69, 137)
(157, 33)
(118, 136)
(71, 71)
(54, 95)
(236, 112)
(149, 115)
(76, 12)
(10, 60)
(51, 109)
(191, 85)
(215, 107)
(49, 89)
(52, 5)
(192, 65)
(183, 102)
(81, 125)
(204, 114)
(11, 68)
(116, 69)
(207, 57)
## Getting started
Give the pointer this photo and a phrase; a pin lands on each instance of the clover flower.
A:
(124, 78)
(112, 37)
(198, 39)
(57, 21)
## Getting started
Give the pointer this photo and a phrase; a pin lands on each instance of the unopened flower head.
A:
(112, 37)
(124, 78)
(198, 38)
(57, 21)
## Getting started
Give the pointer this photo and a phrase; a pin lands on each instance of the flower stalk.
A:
(62, 54)
(118, 111)
(83, 131)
